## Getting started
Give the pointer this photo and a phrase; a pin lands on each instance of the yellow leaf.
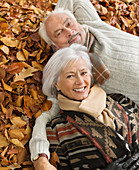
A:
(24, 74)
(34, 93)
(26, 53)
(17, 143)
(37, 65)
(5, 49)
(20, 56)
(19, 100)
(6, 87)
(16, 134)
(18, 121)
(3, 108)
(3, 141)
(9, 42)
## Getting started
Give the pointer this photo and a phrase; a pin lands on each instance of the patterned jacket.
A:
(82, 142)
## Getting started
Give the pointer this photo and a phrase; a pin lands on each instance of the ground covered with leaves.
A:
(23, 55)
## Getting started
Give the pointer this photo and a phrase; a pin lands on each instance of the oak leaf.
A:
(24, 74)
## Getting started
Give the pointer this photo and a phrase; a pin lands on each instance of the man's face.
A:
(64, 30)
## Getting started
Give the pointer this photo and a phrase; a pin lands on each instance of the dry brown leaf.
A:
(9, 42)
(3, 141)
(15, 68)
(18, 121)
(20, 56)
(19, 101)
(37, 65)
(26, 53)
(5, 49)
(6, 86)
(17, 143)
(2, 73)
(34, 94)
(12, 151)
(46, 105)
(16, 134)
(24, 74)
(54, 159)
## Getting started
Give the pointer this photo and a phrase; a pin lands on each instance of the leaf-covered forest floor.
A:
(22, 58)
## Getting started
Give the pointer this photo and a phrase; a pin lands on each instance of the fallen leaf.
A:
(18, 121)
(3, 141)
(9, 41)
(6, 86)
(17, 143)
(5, 49)
(24, 74)
(16, 134)
(15, 68)
(54, 159)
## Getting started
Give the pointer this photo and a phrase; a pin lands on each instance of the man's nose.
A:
(69, 32)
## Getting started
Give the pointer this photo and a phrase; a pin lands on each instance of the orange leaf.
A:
(46, 105)
(54, 159)
(15, 68)
(6, 86)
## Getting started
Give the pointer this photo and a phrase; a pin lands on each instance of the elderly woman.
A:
(92, 130)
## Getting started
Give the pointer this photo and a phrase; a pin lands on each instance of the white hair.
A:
(42, 30)
(58, 62)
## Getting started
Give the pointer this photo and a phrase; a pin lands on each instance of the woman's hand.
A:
(43, 164)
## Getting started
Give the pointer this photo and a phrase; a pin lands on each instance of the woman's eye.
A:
(84, 73)
(69, 76)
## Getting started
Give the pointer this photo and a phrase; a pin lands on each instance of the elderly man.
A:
(118, 50)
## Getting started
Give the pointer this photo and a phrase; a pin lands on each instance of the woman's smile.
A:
(75, 80)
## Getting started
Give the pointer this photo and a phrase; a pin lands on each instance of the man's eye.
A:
(68, 24)
(58, 34)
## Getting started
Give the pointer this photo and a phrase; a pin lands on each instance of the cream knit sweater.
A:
(118, 50)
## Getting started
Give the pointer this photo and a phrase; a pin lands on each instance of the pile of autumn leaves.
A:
(22, 58)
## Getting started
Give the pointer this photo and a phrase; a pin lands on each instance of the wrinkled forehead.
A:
(57, 18)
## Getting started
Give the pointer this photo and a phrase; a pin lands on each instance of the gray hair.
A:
(43, 32)
(58, 62)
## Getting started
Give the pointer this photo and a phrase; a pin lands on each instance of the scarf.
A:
(100, 71)
(94, 105)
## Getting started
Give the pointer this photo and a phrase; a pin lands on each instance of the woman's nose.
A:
(79, 80)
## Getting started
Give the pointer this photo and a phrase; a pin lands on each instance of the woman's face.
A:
(75, 80)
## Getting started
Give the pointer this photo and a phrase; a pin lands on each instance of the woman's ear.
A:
(57, 86)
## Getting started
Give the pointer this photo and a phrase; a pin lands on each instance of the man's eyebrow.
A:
(55, 32)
